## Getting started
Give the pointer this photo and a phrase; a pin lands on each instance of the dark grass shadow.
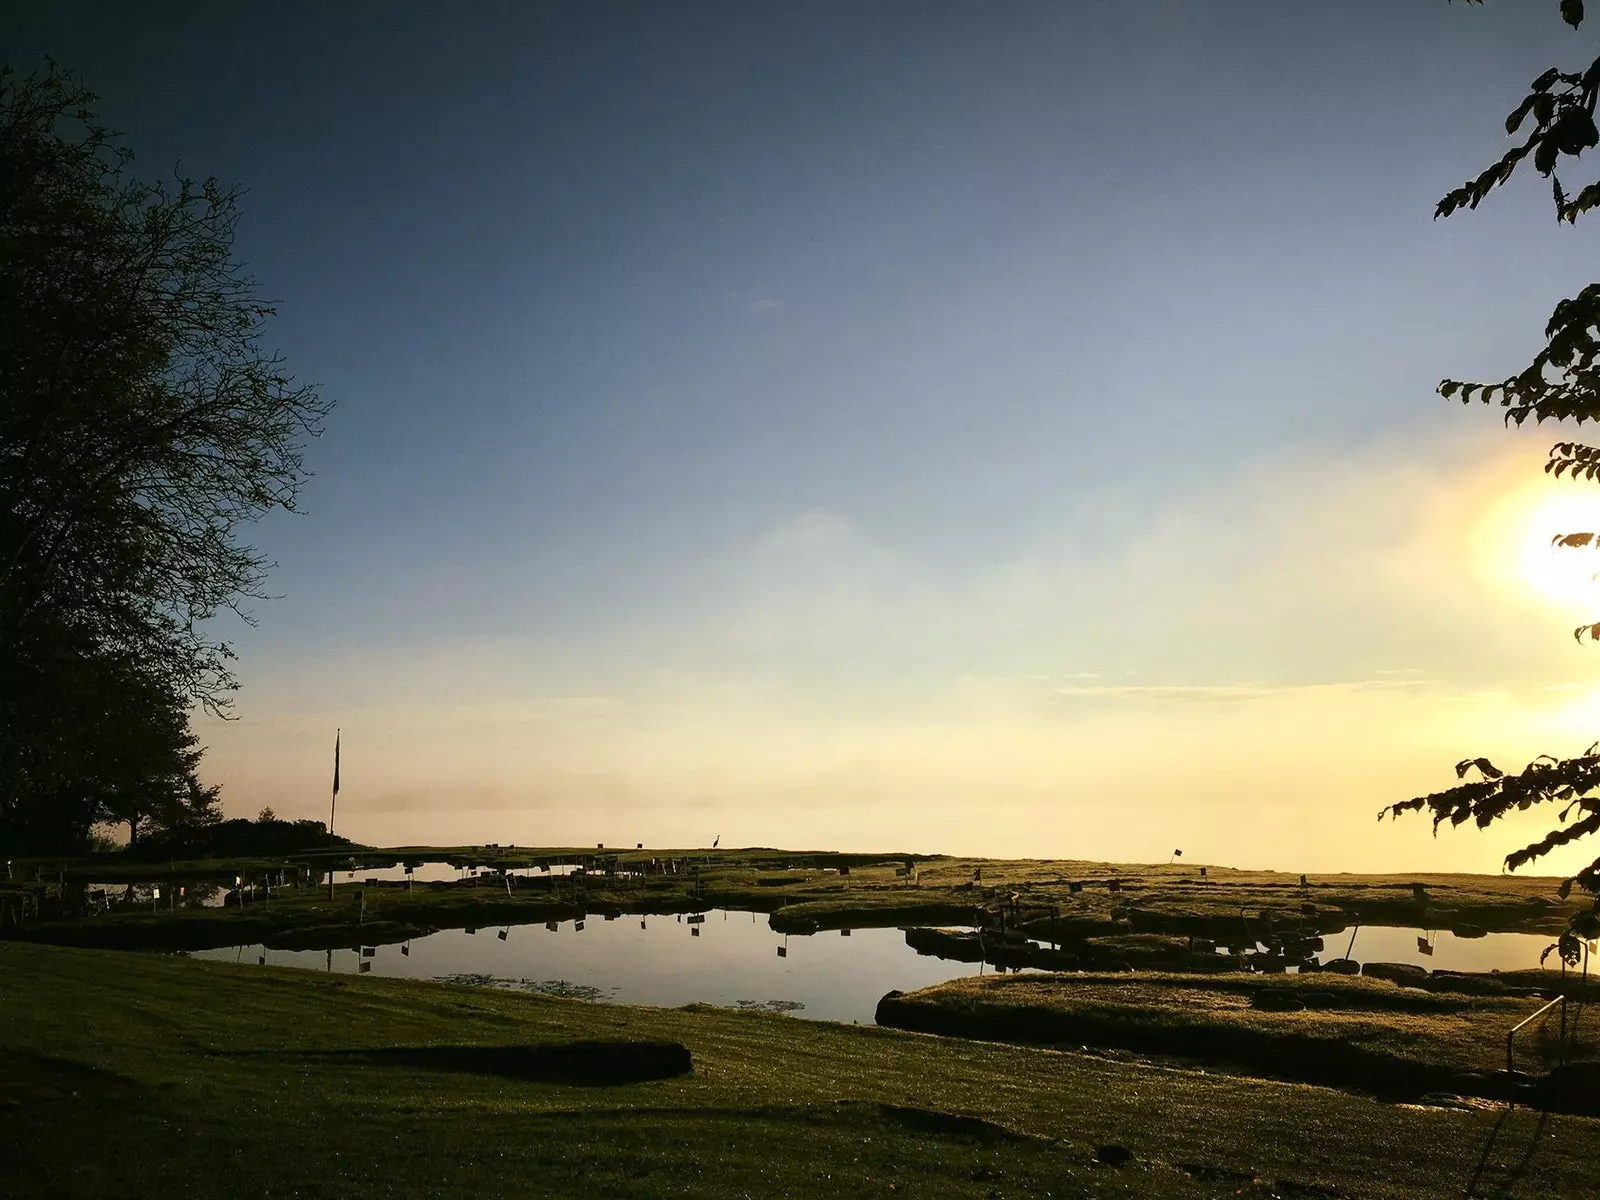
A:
(56, 1111)
(1479, 1185)
(583, 1064)
(932, 1122)
(29, 1081)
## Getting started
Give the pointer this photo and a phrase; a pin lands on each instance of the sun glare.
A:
(1557, 573)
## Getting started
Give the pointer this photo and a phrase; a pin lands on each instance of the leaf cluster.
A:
(1562, 383)
(1572, 783)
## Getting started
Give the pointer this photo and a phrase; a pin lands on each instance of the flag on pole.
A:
(333, 804)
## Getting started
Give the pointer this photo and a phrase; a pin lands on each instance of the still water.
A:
(733, 961)
(1445, 951)
(438, 872)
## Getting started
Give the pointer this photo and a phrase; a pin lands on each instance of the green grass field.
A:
(125, 1074)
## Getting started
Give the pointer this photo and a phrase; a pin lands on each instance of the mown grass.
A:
(142, 1075)
(1341, 1030)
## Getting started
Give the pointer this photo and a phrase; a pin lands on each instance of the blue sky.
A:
(972, 427)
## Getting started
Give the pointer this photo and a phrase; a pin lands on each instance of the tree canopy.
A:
(142, 426)
(1561, 384)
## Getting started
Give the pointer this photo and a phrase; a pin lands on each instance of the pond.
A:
(438, 872)
(1445, 952)
(186, 893)
(212, 892)
(1437, 950)
(731, 958)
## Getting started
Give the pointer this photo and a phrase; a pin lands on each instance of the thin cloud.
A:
(1228, 692)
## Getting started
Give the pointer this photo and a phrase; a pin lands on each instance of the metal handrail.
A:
(1561, 1000)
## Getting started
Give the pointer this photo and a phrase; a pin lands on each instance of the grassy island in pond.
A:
(1061, 901)
(1366, 1033)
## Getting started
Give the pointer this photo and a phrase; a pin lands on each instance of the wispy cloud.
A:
(1228, 692)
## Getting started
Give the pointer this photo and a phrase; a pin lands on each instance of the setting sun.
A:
(1561, 573)
(1518, 539)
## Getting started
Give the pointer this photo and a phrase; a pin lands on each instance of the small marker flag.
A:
(1177, 854)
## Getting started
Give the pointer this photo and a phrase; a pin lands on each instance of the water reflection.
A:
(735, 959)
(1443, 951)
(1435, 950)
(441, 872)
(732, 959)
(184, 893)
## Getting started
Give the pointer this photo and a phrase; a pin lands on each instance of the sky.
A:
(956, 427)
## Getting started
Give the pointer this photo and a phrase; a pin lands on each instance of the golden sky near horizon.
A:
(1248, 676)
(950, 428)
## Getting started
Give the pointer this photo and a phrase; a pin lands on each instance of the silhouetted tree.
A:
(141, 425)
(1561, 384)
(89, 736)
(149, 778)
(239, 837)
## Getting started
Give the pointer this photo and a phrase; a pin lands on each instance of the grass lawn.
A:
(125, 1074)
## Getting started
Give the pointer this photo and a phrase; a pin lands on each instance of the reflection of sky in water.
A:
(735, 958)
(434, 872)
(1446, 951)
(189, 893)
(1492, 952)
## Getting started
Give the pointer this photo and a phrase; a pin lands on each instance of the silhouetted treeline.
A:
(238, 838)
(142, 427)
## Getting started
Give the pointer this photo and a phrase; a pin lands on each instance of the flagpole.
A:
(332, 806)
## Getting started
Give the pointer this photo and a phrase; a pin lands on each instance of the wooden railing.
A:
(1511, 1036)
